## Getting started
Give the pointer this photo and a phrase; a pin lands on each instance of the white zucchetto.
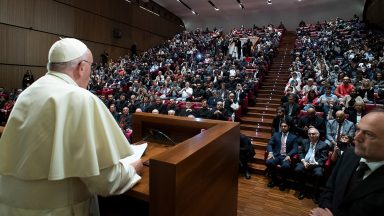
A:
(65, 50)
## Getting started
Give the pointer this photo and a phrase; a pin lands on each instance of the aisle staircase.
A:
(257, 123)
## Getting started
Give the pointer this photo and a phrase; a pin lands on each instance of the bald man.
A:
(309, 121)
(61, 145)
(337, 127)
(356, 184)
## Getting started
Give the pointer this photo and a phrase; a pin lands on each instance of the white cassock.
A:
(61, 146)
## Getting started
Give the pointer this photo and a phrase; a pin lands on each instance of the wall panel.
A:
(29, 27)
(13, 75)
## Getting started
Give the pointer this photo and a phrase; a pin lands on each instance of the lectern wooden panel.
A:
(198, 175)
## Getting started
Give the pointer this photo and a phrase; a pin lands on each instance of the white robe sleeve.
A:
(114, 180)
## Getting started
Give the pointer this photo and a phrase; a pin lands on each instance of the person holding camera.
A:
(342, 145)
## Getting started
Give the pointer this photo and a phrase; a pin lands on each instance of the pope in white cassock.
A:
(61, 145)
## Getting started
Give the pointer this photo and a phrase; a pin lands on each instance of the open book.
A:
(138, 152)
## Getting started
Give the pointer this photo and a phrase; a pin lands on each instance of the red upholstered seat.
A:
(305, 113)
(369, 107)
(181, 104)
(196, 105)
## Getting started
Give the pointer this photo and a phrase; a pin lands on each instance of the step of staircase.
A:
(253, 127)
(259, 156)
(259, 145)
(262, 110)
(266, 105)
(273, 87)
(257, 168)
(284, 67)
(275, 82)
(280, 73)
(252, 120)
(257, 123)
(260, 115)
(269, 91)
(268, 101)
(257, 136)
(273, 95)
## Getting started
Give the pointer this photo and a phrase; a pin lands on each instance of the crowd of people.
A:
(336, 75)
(194, 66)
(193, 74)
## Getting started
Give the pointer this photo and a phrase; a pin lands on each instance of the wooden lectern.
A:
(193, 165)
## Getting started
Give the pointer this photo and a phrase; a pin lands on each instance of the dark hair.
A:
(282, 109)
(284, 122)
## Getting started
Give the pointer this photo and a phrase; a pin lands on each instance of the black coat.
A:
(295, 109)
(316, 122)
(246, 149)
(366, 199)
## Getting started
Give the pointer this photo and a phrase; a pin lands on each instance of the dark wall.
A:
(373, 13)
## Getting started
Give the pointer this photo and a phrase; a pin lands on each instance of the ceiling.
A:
(259, 12)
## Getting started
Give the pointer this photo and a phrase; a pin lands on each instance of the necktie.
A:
(339, 131)
(330, 116)
(357, 176)
(283, 144)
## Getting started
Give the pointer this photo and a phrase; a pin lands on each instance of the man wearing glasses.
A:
(312, 155)
(61, 145)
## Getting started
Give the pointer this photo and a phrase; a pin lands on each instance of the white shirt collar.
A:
(372, 165)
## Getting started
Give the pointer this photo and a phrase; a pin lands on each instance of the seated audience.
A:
(281, 149)
(291, 108)
(337, 127)
(309, 100)
(220, 113)
(357, 112)
(342, 145)
(311, 120)
(366, 91)
(280, 117)
(345, 88)
(312, 155)
(204, 112)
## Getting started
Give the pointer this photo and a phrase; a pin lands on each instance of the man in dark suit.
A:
(220, 113)
(312, 155)
(346, 193)
(158, 105)
(204, 111)
(337, 127)
(246, 154)
(308, 121)
(291, 107)
(281, 148)
(172, 106)
(145, 104)
(279, 118)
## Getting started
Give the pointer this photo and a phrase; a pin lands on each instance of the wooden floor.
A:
(255, 198)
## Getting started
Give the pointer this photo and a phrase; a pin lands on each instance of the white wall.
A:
(291, 14)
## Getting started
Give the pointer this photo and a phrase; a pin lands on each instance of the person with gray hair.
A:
(355, 186)
(312, 156)
(61, 145)
(171, 112)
